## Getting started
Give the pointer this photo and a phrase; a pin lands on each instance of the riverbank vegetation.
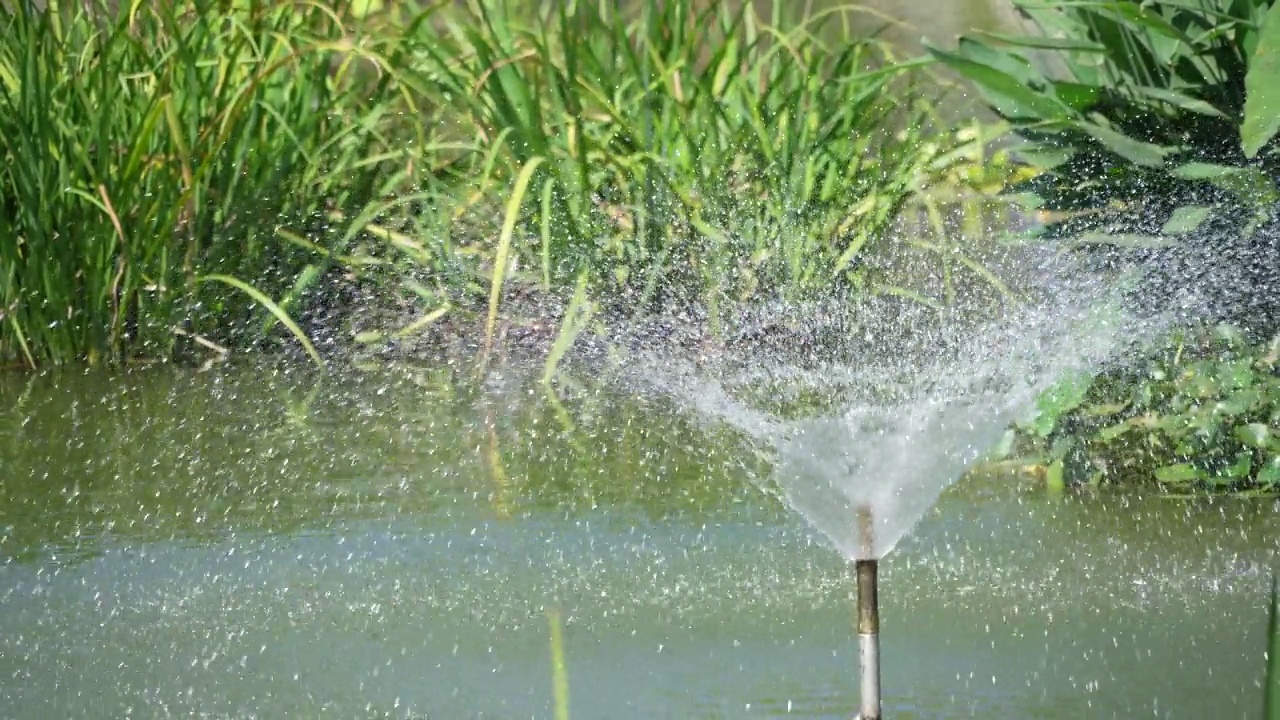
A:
(1156, 124)
(185, 180)
(215, 171)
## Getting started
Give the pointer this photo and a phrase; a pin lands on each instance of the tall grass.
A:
(684, 151)
(145, 148)
(201, 168)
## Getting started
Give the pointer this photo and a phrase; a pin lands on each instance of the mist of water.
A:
(861, 445)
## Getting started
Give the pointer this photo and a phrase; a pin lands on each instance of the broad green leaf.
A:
(1009, 63)
(1044, 157)
(1143, 14)
(1104, 409)
(1270, 472)
(1078, 96)
(1135, 151)
(1044, 43)
(1005, 93)
(1111, 432)
(1255, 435)
(1240, 468)
(1238, 374)
(1186, 219)
(1205, 171)
(1181, 101)
(1060, 399)
(1179, 474)
(1054, 477)
(1249, 184)
(1262, 88)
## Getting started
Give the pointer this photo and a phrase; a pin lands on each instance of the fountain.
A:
(862, 446)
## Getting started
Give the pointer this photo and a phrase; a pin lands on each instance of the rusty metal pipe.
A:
(868, 621)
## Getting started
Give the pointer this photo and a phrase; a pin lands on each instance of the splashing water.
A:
(907, 411)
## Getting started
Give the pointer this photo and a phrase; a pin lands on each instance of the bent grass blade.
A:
(279, 313)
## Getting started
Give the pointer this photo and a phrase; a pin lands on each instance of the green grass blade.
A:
(559, 669)
(1271, 687)
(271, 307)
(576, 318)
(503, 253)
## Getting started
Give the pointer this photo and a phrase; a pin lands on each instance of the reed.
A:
(209, 170)
(677, 151)
(150, 146)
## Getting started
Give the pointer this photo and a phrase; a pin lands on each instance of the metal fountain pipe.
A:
(868, 620)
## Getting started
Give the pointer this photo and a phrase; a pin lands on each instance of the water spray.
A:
(868, 619)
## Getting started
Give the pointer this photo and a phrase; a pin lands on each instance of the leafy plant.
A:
(1204, 417)
(1156, 122)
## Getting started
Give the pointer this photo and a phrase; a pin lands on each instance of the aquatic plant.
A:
(229, 169)
(1202, 415)
(1155, 124)
(677, 152)
(149, 147)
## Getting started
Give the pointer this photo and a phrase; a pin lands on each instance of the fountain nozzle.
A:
(868, 621)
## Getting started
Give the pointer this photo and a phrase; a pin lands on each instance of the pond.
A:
(254, 542)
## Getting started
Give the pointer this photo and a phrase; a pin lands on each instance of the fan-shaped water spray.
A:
(894, 421)
(912, 402)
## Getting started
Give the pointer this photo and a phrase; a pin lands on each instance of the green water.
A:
(257, 544)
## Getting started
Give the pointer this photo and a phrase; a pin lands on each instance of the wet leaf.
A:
(1112, 432)
(1179, 474)
(1262, 88)
(1237, 374)
(1135, 151)
(1239, 468)
(1054, 476)
(1239, 403)
(1045, 43)
(1104, 409)
(1270, 473)
(1255, 435)
(1061, 398)
(1250, 184)
(1186, 219)
(1205, 171)
(1005, 93)
(1180, 100)
(1173, 422)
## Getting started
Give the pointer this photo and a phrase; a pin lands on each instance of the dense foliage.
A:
(147, 155)
(223, 168)
(1157, 122)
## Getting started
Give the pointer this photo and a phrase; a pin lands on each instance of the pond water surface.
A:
(260, 544)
